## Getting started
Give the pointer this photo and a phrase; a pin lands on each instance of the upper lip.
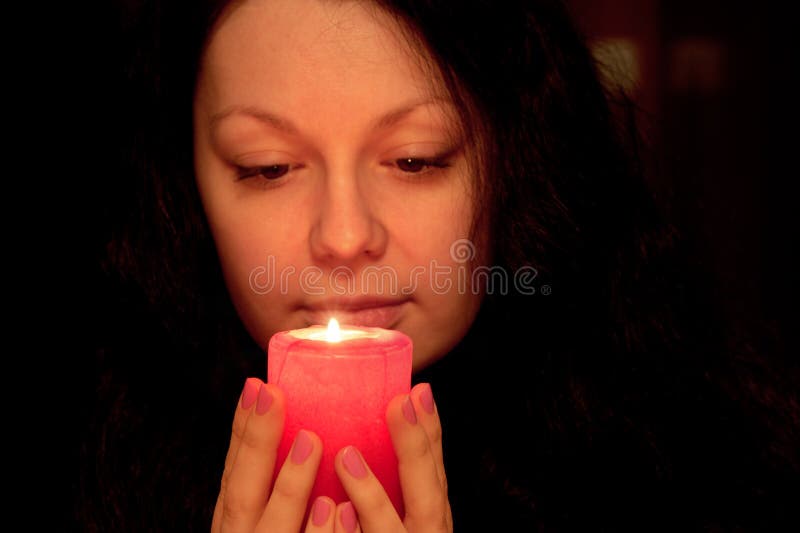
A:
(354, 303)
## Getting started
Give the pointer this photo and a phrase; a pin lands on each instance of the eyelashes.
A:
(406, 167)
(419, 165)
(268, 172)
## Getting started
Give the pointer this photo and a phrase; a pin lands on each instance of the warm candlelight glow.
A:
(334, 334)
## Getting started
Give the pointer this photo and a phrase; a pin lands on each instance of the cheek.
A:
(241, 248)
(443, 238)
(249, 252)
(249, 235)
(241, 264)
(250, 262)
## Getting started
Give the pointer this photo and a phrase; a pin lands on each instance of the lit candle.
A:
(338, 383)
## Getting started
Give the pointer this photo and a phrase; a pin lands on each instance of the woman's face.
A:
(333, 174)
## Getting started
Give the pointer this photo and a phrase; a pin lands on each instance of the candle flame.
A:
(334, 334)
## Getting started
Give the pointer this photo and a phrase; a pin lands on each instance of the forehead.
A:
(305, 49)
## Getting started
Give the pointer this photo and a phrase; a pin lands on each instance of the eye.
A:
(418, 165)
(268, 172)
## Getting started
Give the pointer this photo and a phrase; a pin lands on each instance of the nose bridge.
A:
(345, 226)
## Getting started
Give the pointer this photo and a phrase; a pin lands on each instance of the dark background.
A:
(719, 106)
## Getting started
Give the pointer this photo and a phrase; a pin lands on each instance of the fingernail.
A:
(250, 392)
(349, 517)
(302, 447)
(426, 398)
(408, 411)
(320, 511)
(353, 463)
(264, 400)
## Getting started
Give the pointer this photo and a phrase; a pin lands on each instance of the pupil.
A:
(411, 165)
(272, 171)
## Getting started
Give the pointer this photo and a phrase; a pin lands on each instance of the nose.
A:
(345, 229)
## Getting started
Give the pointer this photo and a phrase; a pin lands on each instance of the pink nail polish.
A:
(348, 517)
(264, 400)
(353, 463)
(408, 411)
(302, 447)
(426, 398)
(320, 511)
(250, 392)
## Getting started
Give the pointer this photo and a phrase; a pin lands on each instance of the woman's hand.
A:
(417, 437)
(246, 501)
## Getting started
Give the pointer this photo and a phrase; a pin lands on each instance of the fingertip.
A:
(312, 445)
(402, 414)
(338, 465)
(274, 390)
(278, 399)
(321, 511)
(394, 410)
(314, 438)
(422, 396)
(346, 517)
(350, 461)
(337, 459)
(250, 392)
(416, 389)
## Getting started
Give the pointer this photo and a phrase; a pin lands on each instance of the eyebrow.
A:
(282, 124)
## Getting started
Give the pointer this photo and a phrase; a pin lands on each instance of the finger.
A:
(251, 472)
(322, 517)
(373, 507)
(287, 503)
(346, 519)
(247, 399)
(428, 418)
(424, 495)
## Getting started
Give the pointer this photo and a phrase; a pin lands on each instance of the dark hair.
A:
(619, 403)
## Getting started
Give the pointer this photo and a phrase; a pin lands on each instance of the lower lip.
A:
(373, 317)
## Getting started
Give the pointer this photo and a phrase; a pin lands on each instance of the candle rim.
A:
(368, 333)
(384, 344)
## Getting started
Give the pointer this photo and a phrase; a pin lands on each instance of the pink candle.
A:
(339, 388)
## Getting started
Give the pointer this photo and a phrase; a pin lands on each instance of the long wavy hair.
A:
(610, 399)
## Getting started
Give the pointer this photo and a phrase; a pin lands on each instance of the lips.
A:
(366, 312)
